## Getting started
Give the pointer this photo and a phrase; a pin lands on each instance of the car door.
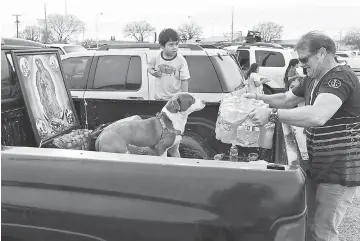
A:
(118, 75)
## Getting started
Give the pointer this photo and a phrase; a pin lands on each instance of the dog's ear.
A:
(175, 104)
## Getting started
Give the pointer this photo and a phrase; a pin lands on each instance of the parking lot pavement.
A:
(350, 227)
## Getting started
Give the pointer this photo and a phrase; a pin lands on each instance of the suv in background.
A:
(272, 60)
(67, 48)
(120, 72)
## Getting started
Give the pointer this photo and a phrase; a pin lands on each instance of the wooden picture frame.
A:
(48, 100)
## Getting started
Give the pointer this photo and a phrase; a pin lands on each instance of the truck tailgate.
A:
(127, 197)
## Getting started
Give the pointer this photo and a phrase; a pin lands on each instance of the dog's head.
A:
(185, 103)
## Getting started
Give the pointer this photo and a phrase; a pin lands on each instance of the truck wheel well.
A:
(193, 145)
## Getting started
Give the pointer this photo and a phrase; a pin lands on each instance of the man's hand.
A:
(249, 95)
(260, 116)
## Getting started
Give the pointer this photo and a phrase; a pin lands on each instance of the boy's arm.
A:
(151, 68)
(184, 76)
(185, 85)
(259, 79)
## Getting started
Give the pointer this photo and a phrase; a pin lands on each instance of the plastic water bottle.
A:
(233, 153)
(219, 156)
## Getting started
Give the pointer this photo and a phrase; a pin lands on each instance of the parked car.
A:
(10, 87)
(272, 59)
(350, 59)
(346, 54)
(67, 48)
(120, 72)
(60, 194)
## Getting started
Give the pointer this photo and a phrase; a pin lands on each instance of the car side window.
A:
(342, 55)
(244, 58)
(74, 69)
(10, 86)
(203, 77)
(121, 72)
(269, 58)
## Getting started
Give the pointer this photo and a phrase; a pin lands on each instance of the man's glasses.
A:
(305, 59)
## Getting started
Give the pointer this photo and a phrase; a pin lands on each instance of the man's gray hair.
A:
(314, 41)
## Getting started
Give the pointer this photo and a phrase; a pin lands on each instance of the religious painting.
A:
(47, 99)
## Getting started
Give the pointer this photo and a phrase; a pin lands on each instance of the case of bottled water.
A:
(234, 126)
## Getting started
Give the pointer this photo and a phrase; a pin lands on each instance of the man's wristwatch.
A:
(273, 117)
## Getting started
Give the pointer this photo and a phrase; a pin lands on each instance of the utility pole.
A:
(340, 39)
(97, 29)
(46, 27)
(66, 11)
(17, 24)
(232, 24)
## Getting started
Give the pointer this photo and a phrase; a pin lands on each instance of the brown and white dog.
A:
(161, 133)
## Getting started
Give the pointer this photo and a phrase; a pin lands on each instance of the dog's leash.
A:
(165, 128)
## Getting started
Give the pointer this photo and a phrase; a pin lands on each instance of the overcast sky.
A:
(297, 17)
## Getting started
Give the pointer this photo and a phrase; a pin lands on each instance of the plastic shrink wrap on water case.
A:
(233, 125)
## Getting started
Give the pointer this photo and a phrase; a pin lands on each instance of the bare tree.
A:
(31, 33)
(269, 30)
(352, 38)
(61, 28)
(188, 31)
(138, 30)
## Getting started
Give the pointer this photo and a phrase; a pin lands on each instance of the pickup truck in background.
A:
(61, 194)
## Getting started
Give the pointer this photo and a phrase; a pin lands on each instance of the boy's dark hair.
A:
(167, 35)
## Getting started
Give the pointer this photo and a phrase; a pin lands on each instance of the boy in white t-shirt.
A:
(169, 68)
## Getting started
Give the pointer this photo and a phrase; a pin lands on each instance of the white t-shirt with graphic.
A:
(173, 72)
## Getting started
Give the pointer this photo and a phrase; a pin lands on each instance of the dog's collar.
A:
(165, 128)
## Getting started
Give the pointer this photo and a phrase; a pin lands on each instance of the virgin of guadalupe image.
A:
(47, 92)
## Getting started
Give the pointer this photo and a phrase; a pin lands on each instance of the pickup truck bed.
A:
(86, 195)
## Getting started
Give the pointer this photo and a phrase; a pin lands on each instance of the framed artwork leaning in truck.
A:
(48, 101)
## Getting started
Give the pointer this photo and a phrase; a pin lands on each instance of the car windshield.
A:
(70, 49)
(228, 71)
